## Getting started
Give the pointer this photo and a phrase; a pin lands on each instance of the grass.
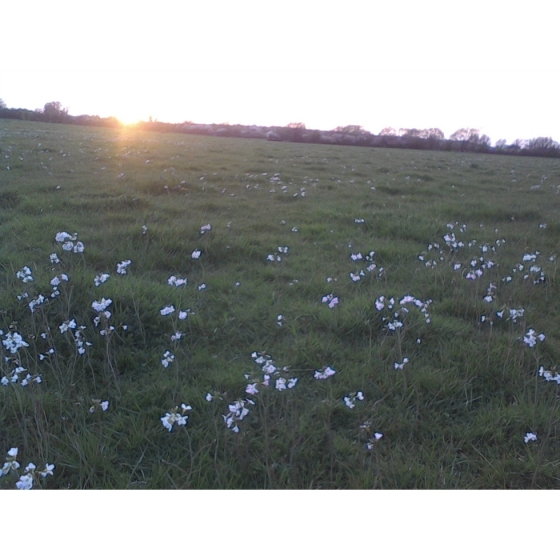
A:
(455, 416)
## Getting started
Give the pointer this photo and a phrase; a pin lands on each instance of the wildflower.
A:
(177, 336)
(54, 258)
(58, 279)
(202, 287)
(123, 266)
(401, 366)
(280, 320)
(67, 325)
(11, 463)
(196, 254)
(359, 220)
(324, 373)
(237, 412)
(175, 417)
(167, 310)
(37, 301)
(251, 389)
(356, 257)
(205, 228)
(531, 340)
(100, 306)
(144, 230)
(25, 482)
(25, 275)
(280, 384)
(530, 436)
(101, 279)
(168, 358)
(13, 342)
(183, 314)
(380, 303)
(48, 470)
(63, 236)
(174, 281)
(209, 397)
(292, 382)
(331, 300)
(97, 403)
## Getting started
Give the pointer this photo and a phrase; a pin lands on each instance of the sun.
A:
(128, 120)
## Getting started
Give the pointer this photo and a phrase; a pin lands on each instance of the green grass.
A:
(454, 417)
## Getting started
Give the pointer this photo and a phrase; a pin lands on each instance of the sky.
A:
(491, 65)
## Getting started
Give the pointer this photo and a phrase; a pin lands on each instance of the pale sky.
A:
(490, 64)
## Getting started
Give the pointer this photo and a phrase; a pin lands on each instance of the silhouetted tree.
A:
(54, 112)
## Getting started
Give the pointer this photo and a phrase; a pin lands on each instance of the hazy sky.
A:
(488, 64)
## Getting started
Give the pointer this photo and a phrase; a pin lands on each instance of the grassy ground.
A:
(450, 380)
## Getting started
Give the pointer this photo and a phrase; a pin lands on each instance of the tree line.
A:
(462, 140)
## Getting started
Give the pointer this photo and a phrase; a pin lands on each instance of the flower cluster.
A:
(176, 416)
(69, 242)
(205, 228)
(331, 300)
(168, 358)
(396, 321)
(350, 400)
(531, 340)
(237, 412)
(13, 341)
(30, 474)
(269, 368)
(101, 279)
(122, 267)
(549, 375)
(25, 275)
(174, 281)
(357, 276)
(324, 373)
(277, 256)
(167, 310)
(14, 377)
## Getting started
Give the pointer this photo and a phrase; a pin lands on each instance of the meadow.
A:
(183, 311)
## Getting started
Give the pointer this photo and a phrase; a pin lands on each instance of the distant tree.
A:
(388, 131)
(435, 134)
(543, 146)
(465, 134)
(2, 104)
(351, 129)
(501, 144)
(471, 139)
(54, 112)
(293, 132)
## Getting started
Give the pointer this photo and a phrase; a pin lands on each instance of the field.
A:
(351, 317)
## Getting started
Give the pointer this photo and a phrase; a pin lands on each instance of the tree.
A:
(54, 112)
(297, 125)
(2, 104)
(465, 134)
(388, 131)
